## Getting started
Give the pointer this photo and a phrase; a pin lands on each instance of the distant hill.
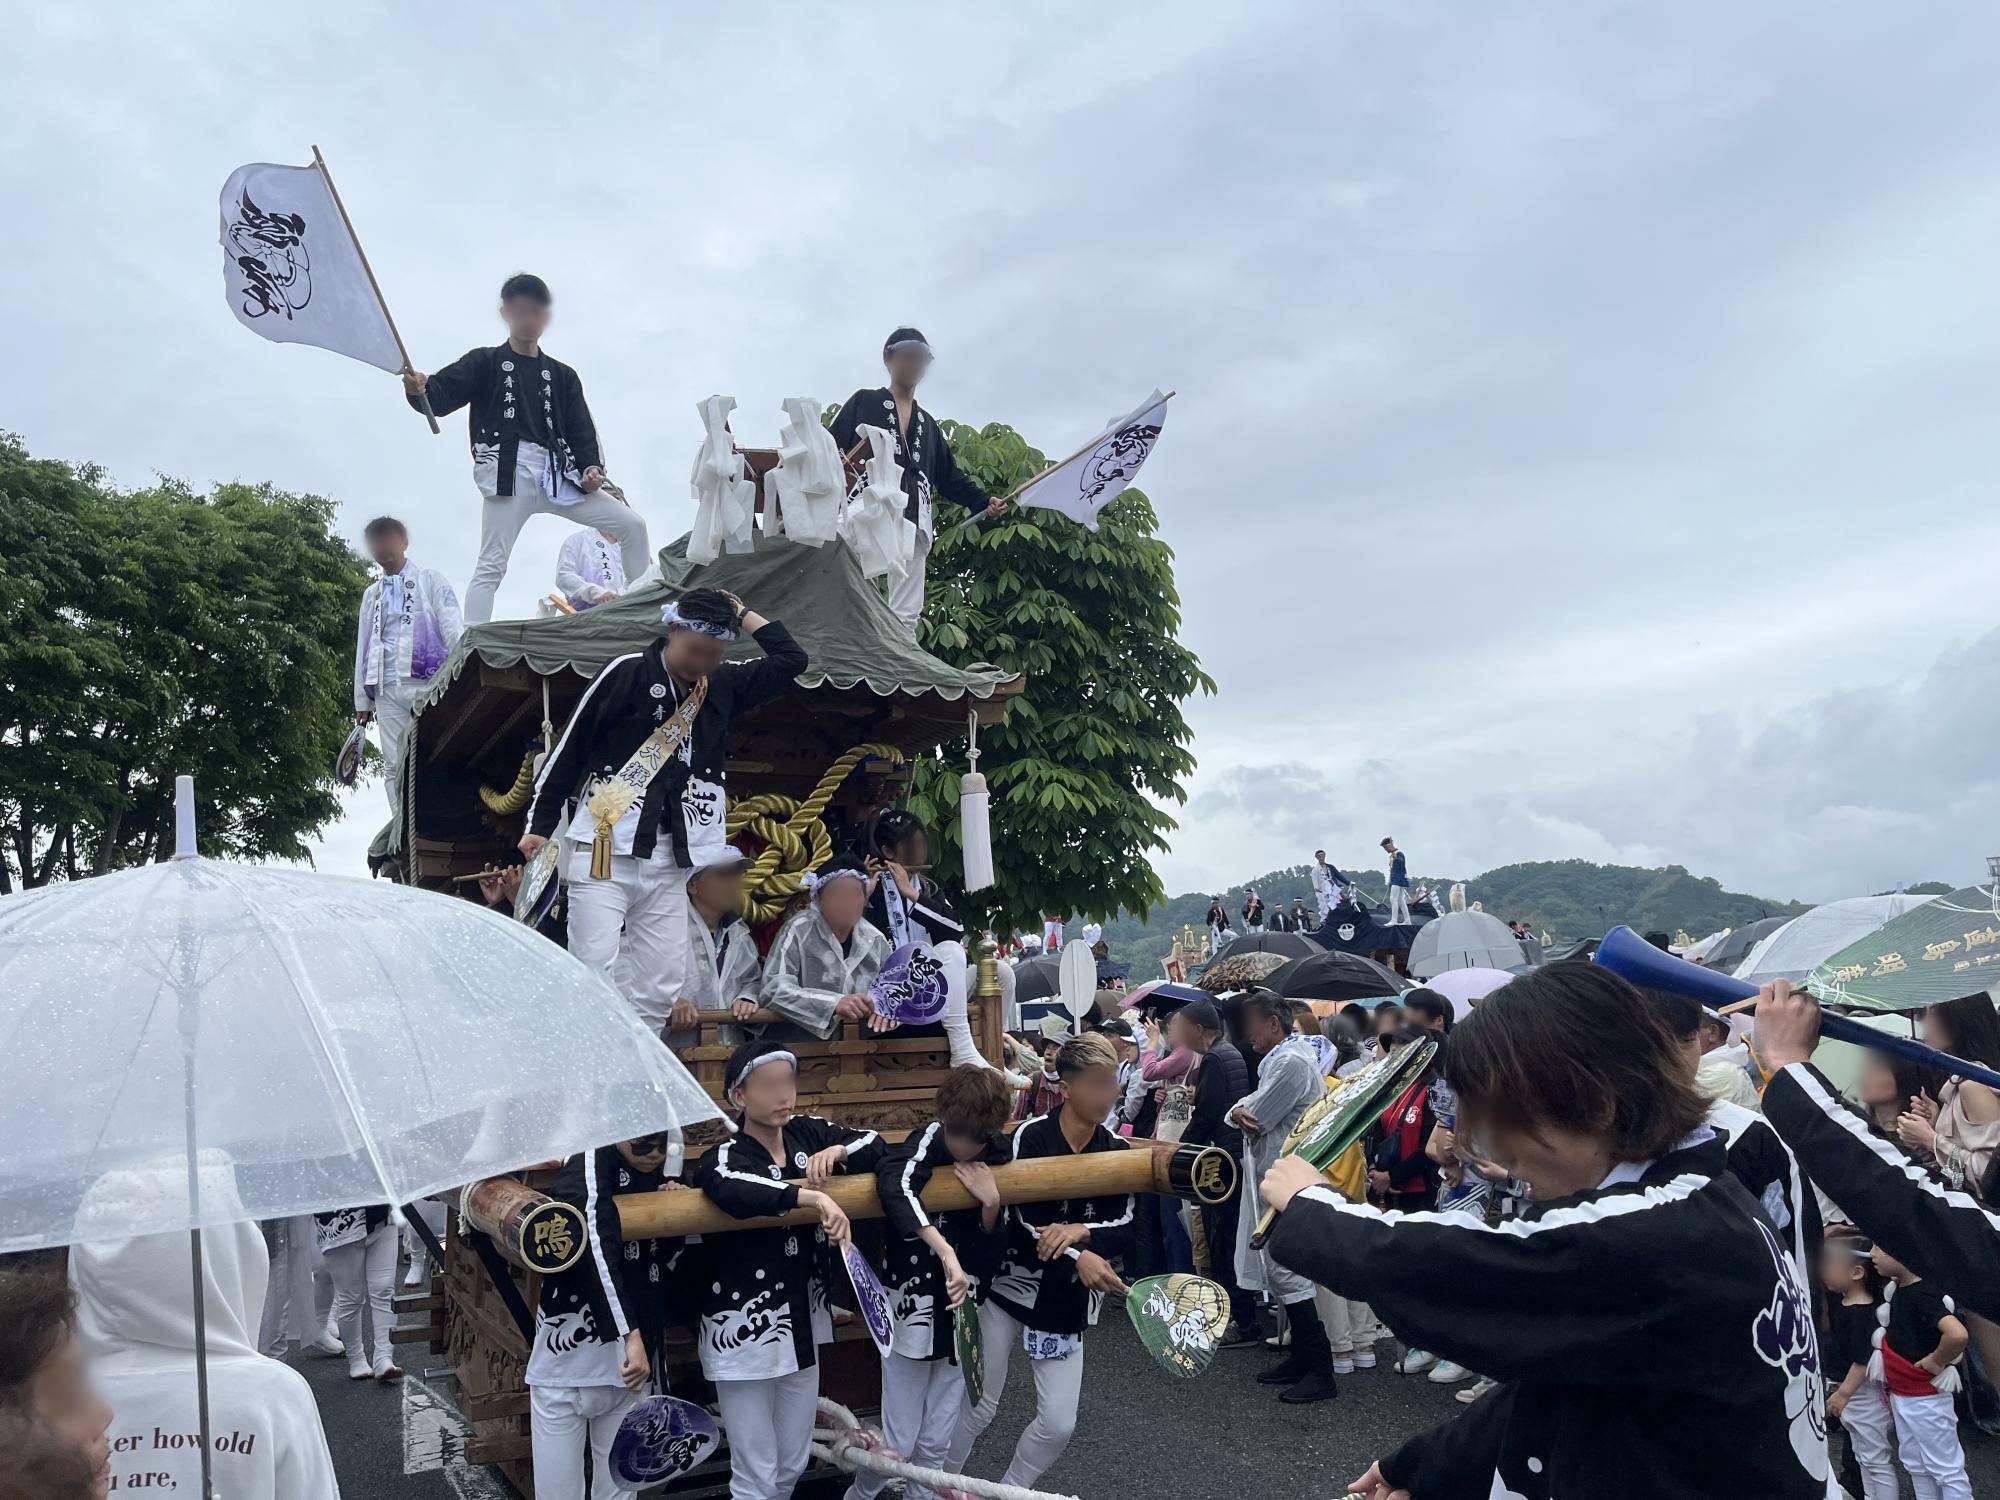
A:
(1569, 898)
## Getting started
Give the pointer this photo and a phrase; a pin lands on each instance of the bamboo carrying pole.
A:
(1204, 1174)
(373, 285)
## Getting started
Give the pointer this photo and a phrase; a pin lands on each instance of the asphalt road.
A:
(1140, 1432)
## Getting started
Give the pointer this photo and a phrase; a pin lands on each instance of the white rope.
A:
(847, 1445)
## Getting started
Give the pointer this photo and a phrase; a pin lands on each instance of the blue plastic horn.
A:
(1630, 956)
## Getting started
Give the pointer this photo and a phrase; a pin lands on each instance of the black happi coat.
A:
(1760, 1160)
(931, 472)
(931, 918)
(1046, 1295)
(476, 379)
(626, 702)
(1944, 1236)
(619, 1284)
(763, 1293)
(913, 1274)
(1652, 1337)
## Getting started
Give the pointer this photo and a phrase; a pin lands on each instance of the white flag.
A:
(291, 269)
(1084, 485)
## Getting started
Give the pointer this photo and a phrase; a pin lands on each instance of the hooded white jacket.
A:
(136, 1318)
(1725, 1074)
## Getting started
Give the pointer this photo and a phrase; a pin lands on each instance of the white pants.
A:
(433, 1214)
(906, 594)
(1349, 1325)
(1866, 1418)
(770, 1426)
(299, 1298)
(392, 728)
(1058, 1385)
(364, 1273)
(562, 1421)
(921, 1399)
(1927, 1439)
(633, 927)
(1399, 906)
(501, 518)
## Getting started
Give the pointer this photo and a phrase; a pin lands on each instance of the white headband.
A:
(757, 1062)
(673, 619)
(812, 882)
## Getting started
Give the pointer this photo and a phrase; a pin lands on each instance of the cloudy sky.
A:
(1585, 435)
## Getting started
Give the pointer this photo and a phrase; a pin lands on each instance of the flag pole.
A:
(373, 285)
(1071, 459)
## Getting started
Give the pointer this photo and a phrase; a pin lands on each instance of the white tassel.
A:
(975, 815)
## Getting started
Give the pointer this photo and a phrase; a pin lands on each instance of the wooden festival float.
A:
(805, 771)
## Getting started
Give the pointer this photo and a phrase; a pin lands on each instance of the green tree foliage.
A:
(1093, 753)
(1568, 899)
(154, 632)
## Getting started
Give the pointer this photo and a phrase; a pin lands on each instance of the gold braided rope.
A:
(795, 840)
(516, 796)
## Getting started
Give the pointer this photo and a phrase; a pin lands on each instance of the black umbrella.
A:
(1038, 978)
(1284, 944)
(1578, 952)
(1325, 975)
(1734, 948)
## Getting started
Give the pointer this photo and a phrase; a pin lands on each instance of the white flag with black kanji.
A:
(291, 268)
(1098, 475)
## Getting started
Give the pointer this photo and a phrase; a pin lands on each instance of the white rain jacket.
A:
(136, 1319)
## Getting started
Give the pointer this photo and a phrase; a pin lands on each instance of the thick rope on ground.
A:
(795, 840)
(841, 1440)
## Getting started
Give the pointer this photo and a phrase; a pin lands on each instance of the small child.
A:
(935, 1262)
(1922, 1339)
(763, 1293)
(590, 1359)
(1859, 1400)
(1055, 1270)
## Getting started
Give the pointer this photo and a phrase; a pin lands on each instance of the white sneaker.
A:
(1364, 1359)
(1444, 1372)
(415, 1275)
(1474, 1391)
(1415, 1362)
(1282, 1339)
(327, 1343)
(1343, 1364)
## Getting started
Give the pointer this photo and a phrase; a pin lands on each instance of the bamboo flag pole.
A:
(1071, 459)
(373, 285)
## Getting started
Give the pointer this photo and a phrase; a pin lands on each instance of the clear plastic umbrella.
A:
(1791, 951)
(339, 1041)
(325, 1042)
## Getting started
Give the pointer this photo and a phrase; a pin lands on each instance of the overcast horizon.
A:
(1583, 441)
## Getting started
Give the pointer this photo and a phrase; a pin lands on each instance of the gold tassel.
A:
(600, 852)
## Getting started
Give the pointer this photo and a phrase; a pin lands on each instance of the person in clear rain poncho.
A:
(818, 970)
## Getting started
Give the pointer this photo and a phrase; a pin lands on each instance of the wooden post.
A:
(374, 286)
(1201, 1173)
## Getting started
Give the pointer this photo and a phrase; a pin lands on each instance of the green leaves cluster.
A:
(159, 631)
(1092, 754)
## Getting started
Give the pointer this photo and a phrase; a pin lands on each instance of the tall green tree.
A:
(159, 631)
(1095, 751)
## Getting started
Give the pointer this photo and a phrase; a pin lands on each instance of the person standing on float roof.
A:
(929, 470)
(534, 445)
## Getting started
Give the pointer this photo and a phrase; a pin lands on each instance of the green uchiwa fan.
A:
(1180, 1319)
(971, 1348)
(1342, 1116)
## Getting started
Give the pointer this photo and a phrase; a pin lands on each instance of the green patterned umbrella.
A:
(1932, 953)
